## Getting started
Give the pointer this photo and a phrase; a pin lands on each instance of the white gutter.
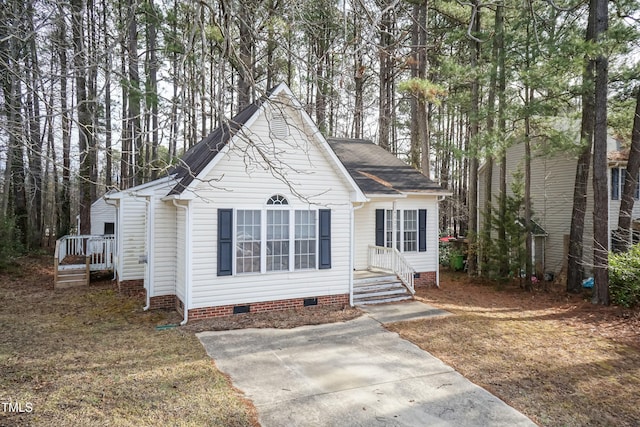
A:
(187, 261)
(353, 250)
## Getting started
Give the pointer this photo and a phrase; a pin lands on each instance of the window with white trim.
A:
(389, 229)
(248, 241)
(410, 231)
(277, 240)
(618, 176)
(305, 240)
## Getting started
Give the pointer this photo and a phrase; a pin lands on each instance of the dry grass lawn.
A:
(555, 357)
(88, 356)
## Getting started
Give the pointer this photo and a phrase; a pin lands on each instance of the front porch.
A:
(388, 278)
(77, 256)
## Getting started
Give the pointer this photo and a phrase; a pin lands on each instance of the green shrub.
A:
(624, 277)
(10, 238)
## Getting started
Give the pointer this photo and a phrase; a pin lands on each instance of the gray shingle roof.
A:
(377, 171)
(198, 157)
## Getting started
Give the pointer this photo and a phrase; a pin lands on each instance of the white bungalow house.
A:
(552, 185)
(265, 213)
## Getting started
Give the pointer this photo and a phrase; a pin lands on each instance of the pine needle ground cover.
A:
(88, 356)
(555, 357)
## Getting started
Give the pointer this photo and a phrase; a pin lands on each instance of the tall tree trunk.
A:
(135, 128)
(152, 97)
(64, 203)
(503, 249)
(575, 264)
(623, 236)
(34, 151)
(474, 130)
(386, 55)
(245, 45)
(14, 195)
(85, 122)
(487, 226)
(600, 184)
(358, 79)
(108, 170)
(126, 154)
(528, 101)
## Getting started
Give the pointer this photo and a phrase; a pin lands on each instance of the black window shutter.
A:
(225, 242)
(422, 230)
(379, 227)
(325, 238)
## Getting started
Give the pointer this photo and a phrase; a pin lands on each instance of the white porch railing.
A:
(99, 249)
(391, 259)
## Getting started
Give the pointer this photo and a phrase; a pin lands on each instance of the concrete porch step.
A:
(382, 300)
(378, 288)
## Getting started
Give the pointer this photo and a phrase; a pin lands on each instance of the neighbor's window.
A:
(248, 245)
(615, 183)
(305, 239)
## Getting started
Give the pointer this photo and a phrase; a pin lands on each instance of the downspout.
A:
(440, 199)
(187, 262)
(353, 250)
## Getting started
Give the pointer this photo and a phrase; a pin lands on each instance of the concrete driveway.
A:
(354, 373)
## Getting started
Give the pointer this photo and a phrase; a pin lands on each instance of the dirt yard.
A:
(90, 357)
(555, 357)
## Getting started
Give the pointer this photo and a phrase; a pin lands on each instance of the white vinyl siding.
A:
(163, 252)
(133, 233)
(180, 254)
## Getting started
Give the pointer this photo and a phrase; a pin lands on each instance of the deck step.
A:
(69, 278)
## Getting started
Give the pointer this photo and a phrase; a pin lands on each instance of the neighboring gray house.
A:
(267, 214)
(552, 184)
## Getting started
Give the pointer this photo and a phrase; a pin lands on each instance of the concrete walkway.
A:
(354, 373)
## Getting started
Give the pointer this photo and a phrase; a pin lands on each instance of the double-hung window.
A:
(618, 177)
(305, 240)
(248, 241)
(277, 240)
(410, 231)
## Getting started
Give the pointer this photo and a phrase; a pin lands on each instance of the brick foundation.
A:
(162, 301)
(260, 307)
(131, 287)
(427, 278)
